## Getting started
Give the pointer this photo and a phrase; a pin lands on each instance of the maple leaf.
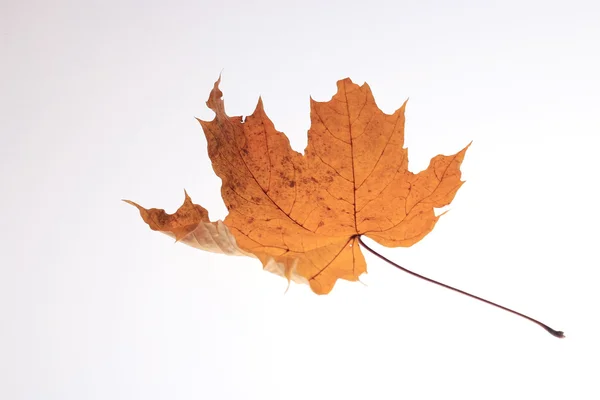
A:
(302, 215)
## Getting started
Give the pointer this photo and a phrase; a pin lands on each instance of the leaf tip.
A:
(132, 203)
(466, 147)
(215, 99)
(259, 106)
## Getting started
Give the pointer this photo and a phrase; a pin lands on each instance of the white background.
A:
(97, 104)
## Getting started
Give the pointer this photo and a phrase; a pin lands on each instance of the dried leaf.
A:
(190, 225)
(301, 215)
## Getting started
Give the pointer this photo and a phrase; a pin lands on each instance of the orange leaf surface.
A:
(301, 215)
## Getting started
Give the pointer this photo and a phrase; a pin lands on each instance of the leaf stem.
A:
(558, 334)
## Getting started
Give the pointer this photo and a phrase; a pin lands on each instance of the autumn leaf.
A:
(302, 215)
